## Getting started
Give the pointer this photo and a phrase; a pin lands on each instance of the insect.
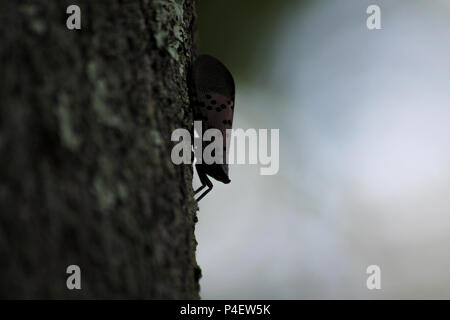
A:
(213, 93)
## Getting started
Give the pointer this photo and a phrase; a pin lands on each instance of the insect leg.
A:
(205, 182)
(210, 186)
(202, 176)
(200, 189)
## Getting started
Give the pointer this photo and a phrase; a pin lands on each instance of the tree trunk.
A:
(86, 176)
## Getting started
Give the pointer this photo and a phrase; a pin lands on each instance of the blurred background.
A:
(364, 151)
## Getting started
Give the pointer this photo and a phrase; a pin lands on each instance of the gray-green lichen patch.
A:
(98, 98)
(91, 69)
(29, 9)
(105, 115)
(105, 196)
(156, 137)
(170, 39)
(122, 191)
(105, 192)
(181, 69)
(38, 26)
(68, 137)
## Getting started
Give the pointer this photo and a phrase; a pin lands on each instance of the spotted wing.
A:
(214, 93)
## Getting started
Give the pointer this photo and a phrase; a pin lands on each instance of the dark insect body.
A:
(213, 92)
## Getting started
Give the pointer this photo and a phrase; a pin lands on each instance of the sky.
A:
(364, 154)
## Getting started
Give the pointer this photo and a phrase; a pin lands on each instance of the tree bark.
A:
(86, 176)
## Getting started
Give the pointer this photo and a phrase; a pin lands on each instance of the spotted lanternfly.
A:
(213, 103)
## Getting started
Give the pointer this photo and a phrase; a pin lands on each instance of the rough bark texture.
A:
(85, 171)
